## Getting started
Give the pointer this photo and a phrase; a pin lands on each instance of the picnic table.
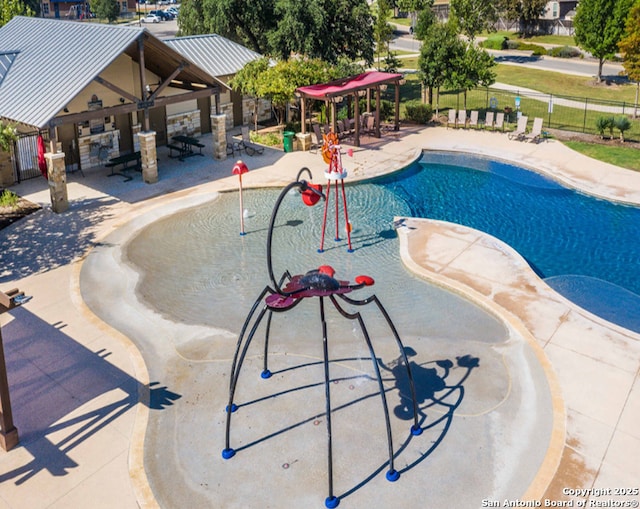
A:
(131, 161)
(185, 146)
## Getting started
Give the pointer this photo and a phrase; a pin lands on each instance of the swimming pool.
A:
(585, 248)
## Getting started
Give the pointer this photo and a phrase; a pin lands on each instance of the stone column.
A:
(6, 170)
(219, 134)
(57, 175)
(148, 156)
(304, 141)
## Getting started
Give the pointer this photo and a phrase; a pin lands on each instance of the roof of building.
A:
(45, 63)
(215, 54)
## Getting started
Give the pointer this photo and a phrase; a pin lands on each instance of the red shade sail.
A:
(348, 85)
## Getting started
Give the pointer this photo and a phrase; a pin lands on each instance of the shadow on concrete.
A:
(44, 241)
(62, 394)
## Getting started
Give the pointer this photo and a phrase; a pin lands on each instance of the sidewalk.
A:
(82, 392)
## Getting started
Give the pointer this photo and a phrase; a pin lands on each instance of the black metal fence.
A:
(25, 155)
(567, 113)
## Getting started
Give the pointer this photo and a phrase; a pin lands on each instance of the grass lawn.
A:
(558, 83)
(625, 157)
(560, 40)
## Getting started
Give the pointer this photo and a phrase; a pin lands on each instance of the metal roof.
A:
(57, 59)
(215, 54)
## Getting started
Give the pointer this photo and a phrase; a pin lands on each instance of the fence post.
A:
(584, 122)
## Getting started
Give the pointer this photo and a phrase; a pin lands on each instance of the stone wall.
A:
(187, 123)
(97, 149)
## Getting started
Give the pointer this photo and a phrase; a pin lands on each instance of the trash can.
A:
(288, 141)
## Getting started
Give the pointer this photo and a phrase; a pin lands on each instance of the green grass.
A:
(560, 40)
(558, 83)
(8, 198)
(625, 157)
(402, 21)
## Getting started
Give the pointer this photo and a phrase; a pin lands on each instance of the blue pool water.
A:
(589, 249)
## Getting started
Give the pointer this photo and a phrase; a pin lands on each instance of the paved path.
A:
(78, 383)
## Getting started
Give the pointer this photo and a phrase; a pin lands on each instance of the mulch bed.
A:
(23, 208)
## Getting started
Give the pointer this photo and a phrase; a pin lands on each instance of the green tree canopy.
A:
(326, 29)
(11, 8)
(413, 7)
(527, 12)
(472, 69)
(441, 49)
(474, 16)
(106, 9)
(630, 43)
(599, 25)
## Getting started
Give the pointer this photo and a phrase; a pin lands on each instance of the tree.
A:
(474, 16)
(441, 49)
(630, 47)
(382, 29)
(324, 29)
(426, 18)
(247, 81)
(527, 12)
(11, 8)
(106, 9)
(413, 7)
(472, 69)
(8, 134)
(599, 25)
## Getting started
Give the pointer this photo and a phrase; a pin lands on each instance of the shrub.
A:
(418, 112)
(623, 124)
(536, 49)
(605, 123)
(565, 52)
(495, 42)
(8, 198)
(387, 109)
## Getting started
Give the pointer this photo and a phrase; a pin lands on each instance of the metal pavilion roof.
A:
(215, 54)
(57, 59)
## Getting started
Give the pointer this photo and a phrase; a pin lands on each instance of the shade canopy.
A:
(349, 85)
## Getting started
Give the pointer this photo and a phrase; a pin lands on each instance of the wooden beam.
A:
(116, 89)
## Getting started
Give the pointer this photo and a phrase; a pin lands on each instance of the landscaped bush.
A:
(495, 42)
(565, 52)
(387, 109)
(537, 50)
(623, 124)
(8, 198)
(605, 124)
(418, 112)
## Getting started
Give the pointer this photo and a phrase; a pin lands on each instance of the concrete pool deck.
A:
(81, 425)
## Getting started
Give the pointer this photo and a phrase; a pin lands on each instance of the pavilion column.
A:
(303, 115)
(378, 111)
(149, 156)
(57, 175)
(356, 115)
(219, 134)
(397, 115)
(334, 120)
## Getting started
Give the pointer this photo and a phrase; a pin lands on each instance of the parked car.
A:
(151, 18)
(161, 14)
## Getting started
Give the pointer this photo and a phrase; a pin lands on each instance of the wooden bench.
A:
(125, 161)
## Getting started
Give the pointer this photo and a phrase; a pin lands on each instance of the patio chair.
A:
(462, 118)
(473, 119)
(316, 137)
(499, 123)
(488, 119)
(452, 118)
(249, 147)
(234, 145)
(536, 131)
(521, 129)
(371, 125)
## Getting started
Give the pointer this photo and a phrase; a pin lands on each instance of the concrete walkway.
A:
(77, 383)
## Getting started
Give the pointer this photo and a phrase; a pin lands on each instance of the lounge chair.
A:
(371, 125)
(521, 129)
(462, 118)
(452, 118)
(249, 147)
(536, 131)
(499, 123)
(488, 119)
(473, 119)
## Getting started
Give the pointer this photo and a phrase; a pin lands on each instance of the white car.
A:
(151, 18)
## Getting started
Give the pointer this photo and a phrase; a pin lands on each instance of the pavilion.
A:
(353, 87)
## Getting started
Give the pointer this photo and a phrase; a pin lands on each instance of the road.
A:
(579, 67)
